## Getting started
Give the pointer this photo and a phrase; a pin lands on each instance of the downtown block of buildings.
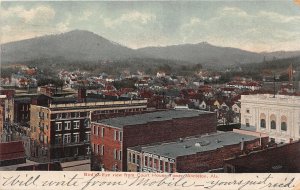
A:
(58, 128)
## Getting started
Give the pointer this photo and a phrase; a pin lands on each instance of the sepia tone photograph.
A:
(138, 89)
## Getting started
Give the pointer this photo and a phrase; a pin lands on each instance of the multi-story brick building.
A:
(60, 127)
(111, 137)
(194, 154)
(278, 116)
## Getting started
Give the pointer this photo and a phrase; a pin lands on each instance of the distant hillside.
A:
(85, 46)
(76, 45)
(210, 55)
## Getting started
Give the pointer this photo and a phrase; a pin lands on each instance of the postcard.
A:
(150, 94)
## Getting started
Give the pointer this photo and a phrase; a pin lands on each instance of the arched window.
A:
(283, 123)
(273, 124)
(283, 126)
(262, 120)
(263, 123)
(273, 121)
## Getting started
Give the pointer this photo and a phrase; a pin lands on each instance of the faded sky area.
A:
(250, 25)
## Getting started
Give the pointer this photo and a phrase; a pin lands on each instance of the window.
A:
(120, 154)
(161, 165)
(68, 115)
(87, 136)
(171, 167)
(58, 126)
(283, 126)
(166, 166)
(95, 149)
(262, 123)
(115, 154)
(67, 138)
(247, 111)
(76, 137)
(76, 124)
(129, 157)
(154, 163)
(115, 134)
(102, 132)
(98, 129)
(99, 149)
(59, 116)
(68, 125)
(102, 150)
(138, 159)
(133, 158)
(145, 161)
(58, 139)
(120, 136)
(150, 163)
(76, 114)
(247, 123)
(41, 115)
(273, 124)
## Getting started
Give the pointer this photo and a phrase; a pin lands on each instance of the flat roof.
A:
(120, 122)
(188, 145)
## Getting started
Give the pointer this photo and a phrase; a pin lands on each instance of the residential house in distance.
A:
(111, 137)
(278, 116)
(191, 155)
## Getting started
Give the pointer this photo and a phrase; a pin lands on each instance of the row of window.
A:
(133, 158)
(43, 115)
(42, 125)
(100, 131)
(67, 125)
(158, 164)
(150, 162)
(98, 149)
(69, 138)
(283, 125)
(117, 154)
(70, 115)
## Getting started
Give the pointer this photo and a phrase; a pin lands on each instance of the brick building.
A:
(283, 159)
(191, 155)
(12, 153)
(111, 137)
(2, 115)
(60, 127)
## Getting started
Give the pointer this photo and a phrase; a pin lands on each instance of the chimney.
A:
(242, 144)
(81, 96)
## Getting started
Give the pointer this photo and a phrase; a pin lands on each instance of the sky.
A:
(250, 25)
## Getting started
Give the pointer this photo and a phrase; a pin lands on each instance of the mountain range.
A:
(81, 45)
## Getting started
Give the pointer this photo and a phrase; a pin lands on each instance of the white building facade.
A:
(278, 117)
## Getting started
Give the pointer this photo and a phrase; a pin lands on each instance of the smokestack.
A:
(81, 96)
(259, 139)
(242, 144)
